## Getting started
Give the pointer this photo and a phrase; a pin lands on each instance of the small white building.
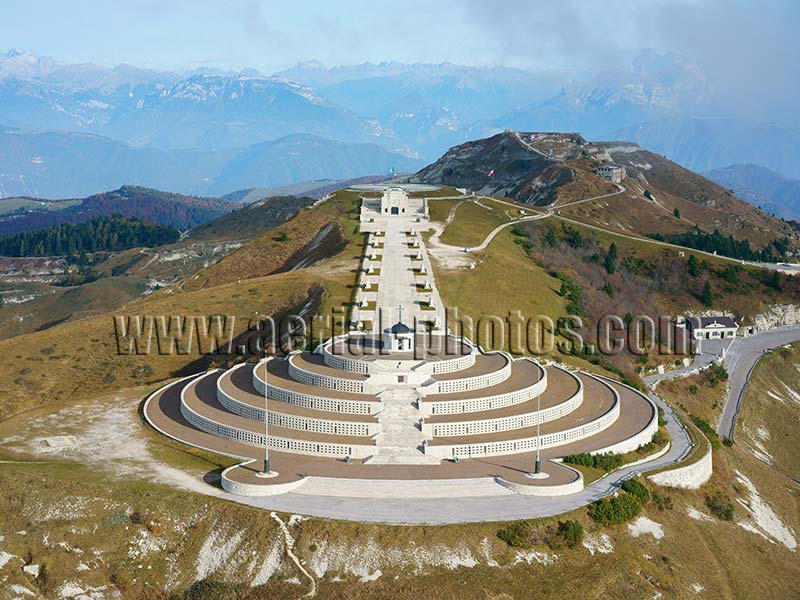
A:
(398, 338)
(711, 328)
(612, 173)
(394, 201)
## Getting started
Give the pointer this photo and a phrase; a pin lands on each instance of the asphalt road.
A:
(741, 357)
(740, 360)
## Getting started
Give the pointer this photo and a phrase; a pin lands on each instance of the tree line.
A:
(111, 234)
(151, 206)
(726, 245)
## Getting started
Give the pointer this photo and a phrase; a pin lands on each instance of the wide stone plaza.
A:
(400, 407)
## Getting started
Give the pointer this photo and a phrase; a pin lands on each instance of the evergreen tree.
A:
(708, 295)
(694, 266)
(775, 281)
(611, 259)
(550, 239)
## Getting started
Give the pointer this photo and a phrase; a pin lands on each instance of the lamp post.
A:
(266, 472)
(266, 422)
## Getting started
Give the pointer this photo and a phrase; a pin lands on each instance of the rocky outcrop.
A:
(507, 164)
(777, 315)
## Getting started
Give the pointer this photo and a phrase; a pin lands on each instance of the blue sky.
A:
(749, 46)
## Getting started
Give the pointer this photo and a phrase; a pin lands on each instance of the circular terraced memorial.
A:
(399, 415)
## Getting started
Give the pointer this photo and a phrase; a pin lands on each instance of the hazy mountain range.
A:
(59, 165)
(763, 187)
(83, 128)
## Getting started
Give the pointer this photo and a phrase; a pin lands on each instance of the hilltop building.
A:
(394, 201)
(711, 328)
(399, 337)
(612, 173)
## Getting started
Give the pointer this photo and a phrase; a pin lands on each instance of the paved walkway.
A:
(397, 284)
(453, 506)
(711, 350)
(470, 509)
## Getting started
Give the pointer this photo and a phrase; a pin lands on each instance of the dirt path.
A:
(287, 536)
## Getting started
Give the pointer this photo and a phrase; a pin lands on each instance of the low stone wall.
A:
(336, 405)
(528, 444)
(476, 382)
(249, 489)
(689, 477)
(146, 412)
(341, 362)
(650, 457)
(342, 384)
(283, 444)
(563, 489)
(482, 403)
(642, 437)
(449, 365)
(290, 421)
(521, 421)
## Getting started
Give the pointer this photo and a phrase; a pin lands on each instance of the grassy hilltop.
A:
(107, 513)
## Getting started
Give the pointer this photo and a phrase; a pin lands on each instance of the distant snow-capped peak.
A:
(209, 86)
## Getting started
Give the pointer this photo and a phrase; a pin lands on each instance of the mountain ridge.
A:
(52, 164)
(557, 170)
(762, 187)
(149, 205)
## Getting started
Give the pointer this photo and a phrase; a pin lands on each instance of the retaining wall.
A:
(689, 477)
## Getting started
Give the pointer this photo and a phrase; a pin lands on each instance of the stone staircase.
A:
(400, 440)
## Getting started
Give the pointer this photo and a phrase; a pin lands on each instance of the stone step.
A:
(399, 441)
(404, 458)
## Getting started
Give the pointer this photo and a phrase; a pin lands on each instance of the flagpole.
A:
(266, 471)
(538, 468)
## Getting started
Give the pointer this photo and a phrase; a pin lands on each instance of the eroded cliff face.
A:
(777, 315)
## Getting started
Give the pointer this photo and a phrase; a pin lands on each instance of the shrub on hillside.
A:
(635, 488)
(617, 509)
(571, 532)
(516, 535)
(662, 502)
(720, 506)
(518, 231)
(606, 461)
(707, 430)
(662, 420)
(715, 373)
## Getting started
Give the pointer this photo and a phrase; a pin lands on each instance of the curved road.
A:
(741, 358)
(535, 217)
